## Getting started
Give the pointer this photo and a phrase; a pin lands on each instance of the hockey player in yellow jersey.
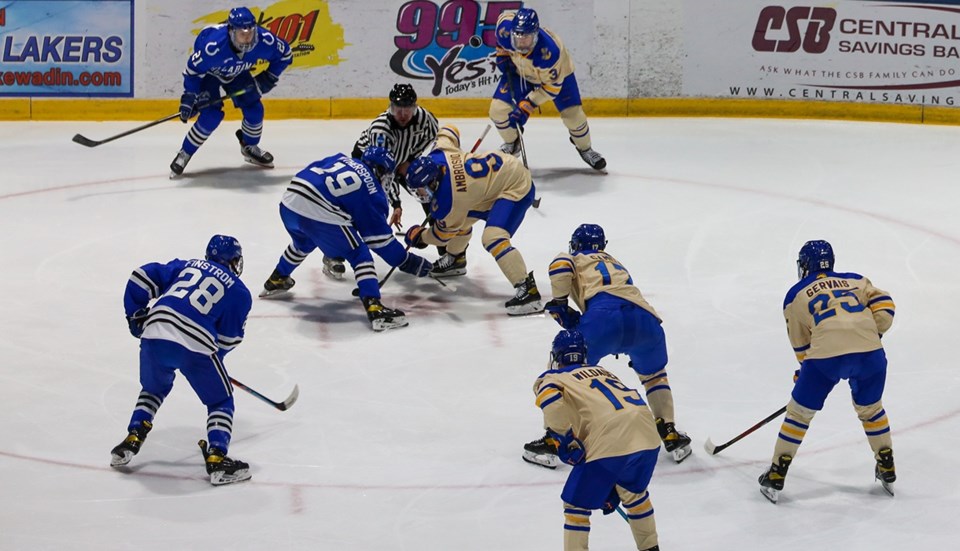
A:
(615, 319)
(606, 431)
(536, 68)
(835, 322)
(462, 189)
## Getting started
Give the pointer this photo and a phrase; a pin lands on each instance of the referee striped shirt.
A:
(405, 144)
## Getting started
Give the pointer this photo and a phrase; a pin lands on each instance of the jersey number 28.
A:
(205, 293)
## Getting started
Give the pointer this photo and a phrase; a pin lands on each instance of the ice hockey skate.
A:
(333, 268)
(383, 318)
(676, 443)
(511, 148)
(771, 482)
(450, 265)
(885, 471)
(123, 452)
(179, 163)
(527, 298)
(542, 452)
(222, 469)
(253, 154)
(277, 286)
(591, 157)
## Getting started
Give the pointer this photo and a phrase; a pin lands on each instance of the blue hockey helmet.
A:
(379, 160)
(815, 256)
(569, 348)
(526, 29)
(241, 25)
(587, 237)
(423, 177)
(226, 251)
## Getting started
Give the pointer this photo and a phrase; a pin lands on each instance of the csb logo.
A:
(439, 42)
(814, 36)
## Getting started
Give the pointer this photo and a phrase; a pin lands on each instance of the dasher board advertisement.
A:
(63, 48)
(865, 51)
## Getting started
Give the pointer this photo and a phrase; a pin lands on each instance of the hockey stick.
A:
(713, 449)
(523, 150)
(282, 406)
(83, 140)
(480, 139)
(356, 291)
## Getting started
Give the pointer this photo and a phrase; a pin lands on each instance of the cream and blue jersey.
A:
(830, 314)
(545, 67)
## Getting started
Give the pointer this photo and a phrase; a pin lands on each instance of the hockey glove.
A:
(266, 81)
(796, 375)
(414, 237)
(569, 447)
(522, 112)
(188, 106)
(416, 265)
(567, 317)
(613, 500)
(135, 321)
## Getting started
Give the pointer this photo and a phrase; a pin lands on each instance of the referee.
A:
(407, 131)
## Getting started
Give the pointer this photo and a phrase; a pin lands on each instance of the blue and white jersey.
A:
(213, 54)
(342, 191)
(200, 305)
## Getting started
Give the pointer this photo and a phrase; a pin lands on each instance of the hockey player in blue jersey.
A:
(338, 205)
(222, 58)
(199, 315)
(536, 68)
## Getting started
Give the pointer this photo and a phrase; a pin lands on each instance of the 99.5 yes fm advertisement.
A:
(867, 51)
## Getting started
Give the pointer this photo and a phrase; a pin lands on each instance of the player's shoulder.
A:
(796, 288)
(425, 115)
(547, 52)
(243, 292)
(848, 275)
(505, 28)
(268, 39)
(212, 39)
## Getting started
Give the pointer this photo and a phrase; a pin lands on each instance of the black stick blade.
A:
(83, 140)
(286, 404)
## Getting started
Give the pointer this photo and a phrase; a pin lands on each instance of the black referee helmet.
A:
(403, 95)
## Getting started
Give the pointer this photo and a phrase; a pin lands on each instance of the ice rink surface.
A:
(411, 439)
